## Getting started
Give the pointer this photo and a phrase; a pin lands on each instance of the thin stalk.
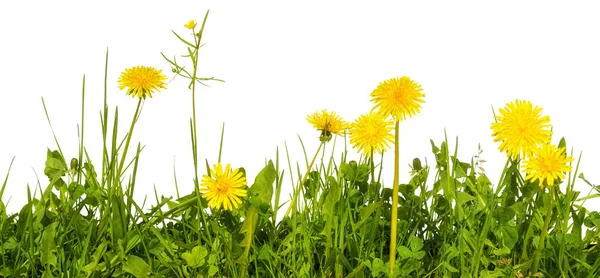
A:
(538, 252)
(129, 135)
(79, 162)
(394, 219)
(294, 198)
(194, 57)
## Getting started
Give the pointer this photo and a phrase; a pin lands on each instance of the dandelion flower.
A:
(142, 81)
(521, 128)
(327, 123)
(548, 163)
(371, 132)
(190, 25)
(223, 188)
(400, 98)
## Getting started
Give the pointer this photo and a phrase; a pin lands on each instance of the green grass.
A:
(452, 220)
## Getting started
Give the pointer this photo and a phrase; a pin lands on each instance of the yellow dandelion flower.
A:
(520, 128)
(327, 123)
(142, 81)
(548, 163)
(371, 132)
(190, 25)
(400, 98)
(223, 188)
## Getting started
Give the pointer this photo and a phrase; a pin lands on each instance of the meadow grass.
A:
(452, 221)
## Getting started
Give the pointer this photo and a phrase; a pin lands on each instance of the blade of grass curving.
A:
(183, 40)
(221, 142)
(79, 162)
(303, 150)
(104, 122)
(278, 182)
(131, 186)
(158, 213)
(175, 180)
(52, 129)
(289, 160)
(573, 174)
(308, 169)
(114, 174)
(29, 236)
(6, 179)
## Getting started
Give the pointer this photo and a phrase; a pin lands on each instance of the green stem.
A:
(394, 218)
(295, 197)
(538, 252)
(129, 135)
(194, 58)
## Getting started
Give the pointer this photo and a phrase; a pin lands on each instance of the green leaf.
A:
(503, 251)
(503, 214)
(347, 171)
(332, 198)
(404, 252)
(510, 236)
(448, 267)
(48, 245)
(136, 266)
(55, 165)
(451, 252)
(183, 40)
(415, 243)
(264, 253)
(47, 273)
(6, 272)
(463, 197)
(562, 144)
(212, 270)
(362, 173)
(248, 230)
(378, 267)
(196, 257)
(366, 212)
(263, 184)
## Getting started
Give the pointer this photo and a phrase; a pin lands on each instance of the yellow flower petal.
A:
(190, 25)
(399, 98)
(371, 132)
(327, 123)
(142, 81)
(548, 163)
(520, 128)
(223, 188)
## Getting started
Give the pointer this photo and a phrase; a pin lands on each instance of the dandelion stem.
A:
(129, 135)
(293, 203)
(538, 252)
(394, 218)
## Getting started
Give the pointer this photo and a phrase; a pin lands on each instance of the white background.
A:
(282, 62)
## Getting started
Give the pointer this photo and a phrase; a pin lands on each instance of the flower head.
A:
(190, 25)
(547, 163)
(520, 128)
(223, 188)
(371, 132)
(400, 98)
(141, 81)
(327, 123)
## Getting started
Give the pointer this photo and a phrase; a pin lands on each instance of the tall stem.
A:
(538, 252)
(194, 79)
(295, 197)
(129, 135)
(394, 219)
